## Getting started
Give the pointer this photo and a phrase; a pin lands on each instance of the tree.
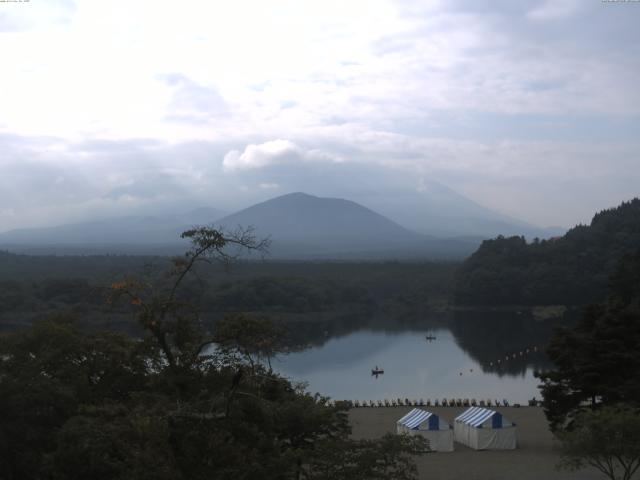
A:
(607, 439)
(77, 405)
(597, 361)
(254, 338)
(47, 373)
(109, 441)
(160, 311)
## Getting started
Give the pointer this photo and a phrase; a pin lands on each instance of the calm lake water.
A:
(462, 362)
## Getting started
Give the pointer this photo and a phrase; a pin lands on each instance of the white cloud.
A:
(257, 156)
(273, 152)
(544, 182)
(427, 87)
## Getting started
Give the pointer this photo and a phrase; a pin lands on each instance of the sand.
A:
(535, 458)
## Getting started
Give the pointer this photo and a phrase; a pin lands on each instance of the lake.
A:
(473, 356)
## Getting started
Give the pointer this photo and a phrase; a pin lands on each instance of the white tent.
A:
(484, 429)
(428, 425)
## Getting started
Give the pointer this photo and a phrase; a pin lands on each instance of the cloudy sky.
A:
(531, 108)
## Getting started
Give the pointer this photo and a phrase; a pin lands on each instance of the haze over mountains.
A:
(131, 234)
(301, 226)
(435, 209)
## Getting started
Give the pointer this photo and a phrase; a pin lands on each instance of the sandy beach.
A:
(535, 457)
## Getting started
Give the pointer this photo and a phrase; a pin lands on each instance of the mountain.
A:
(435, 209)
(298, 216)
(573, 269)
(302, 225)
(135, 234)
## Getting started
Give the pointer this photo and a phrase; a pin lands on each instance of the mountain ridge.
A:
(301, 226)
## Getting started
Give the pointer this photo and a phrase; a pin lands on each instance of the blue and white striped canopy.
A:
(415, 417)
(476, 416)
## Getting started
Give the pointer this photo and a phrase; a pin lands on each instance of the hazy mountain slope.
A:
(298, 216)
(436, 209)
(114, 231)
(303, 226)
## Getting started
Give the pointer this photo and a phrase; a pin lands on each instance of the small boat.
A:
(430, 337)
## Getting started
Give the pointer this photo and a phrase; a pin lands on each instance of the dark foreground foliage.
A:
(78, 405)
(105, 406)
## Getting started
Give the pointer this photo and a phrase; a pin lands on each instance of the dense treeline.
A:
(36, 267)
(294, 289)
(292, 294)
(573, 269)
(283, 294)
(106, 268)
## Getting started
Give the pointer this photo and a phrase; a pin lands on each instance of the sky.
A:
(530, 108)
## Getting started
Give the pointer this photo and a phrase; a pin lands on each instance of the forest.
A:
(568, 270)
(33, 287)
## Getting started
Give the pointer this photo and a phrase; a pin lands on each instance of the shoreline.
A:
(534, 458)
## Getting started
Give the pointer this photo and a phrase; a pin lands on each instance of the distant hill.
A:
(301, 227)
(150, 234)
(572, 269)
(305, 226)
(435, 209)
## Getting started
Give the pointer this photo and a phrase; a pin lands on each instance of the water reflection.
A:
(503, 343)
(460, 361)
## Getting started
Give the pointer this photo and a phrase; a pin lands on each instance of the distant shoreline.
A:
(539, 312)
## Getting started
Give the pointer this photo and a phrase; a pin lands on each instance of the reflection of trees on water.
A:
(487, 337)
(503, 343)
(307, 333)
